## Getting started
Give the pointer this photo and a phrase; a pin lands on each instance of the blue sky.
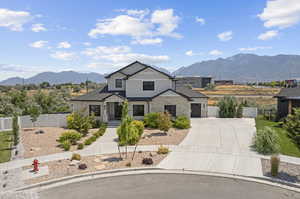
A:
(101, 36)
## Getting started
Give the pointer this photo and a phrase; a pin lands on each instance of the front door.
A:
(195, 110)
(118, 110)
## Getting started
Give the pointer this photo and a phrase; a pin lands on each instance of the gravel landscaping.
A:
(67, 167)
(45, 143)
(157, 137)
(287, 171)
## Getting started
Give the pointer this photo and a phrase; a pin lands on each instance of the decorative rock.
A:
(147, 161)
(103, 157)
(74, 163)
(4, 185)
(5, 172)
(82, 166)
(100, 167)
(97, 160)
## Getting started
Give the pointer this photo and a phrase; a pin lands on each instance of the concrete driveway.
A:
(217, 145)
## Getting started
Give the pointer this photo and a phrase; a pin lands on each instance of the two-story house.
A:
(147, 89)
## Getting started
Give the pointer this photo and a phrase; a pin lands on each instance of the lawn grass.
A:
(5, 145)
(287, 146)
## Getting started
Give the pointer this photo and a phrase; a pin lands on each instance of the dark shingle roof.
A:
(190, 93)
(98, 95)
(289, 93)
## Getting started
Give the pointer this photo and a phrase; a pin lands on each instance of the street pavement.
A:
(166, 186)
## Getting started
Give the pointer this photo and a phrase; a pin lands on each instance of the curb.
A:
(154, 170)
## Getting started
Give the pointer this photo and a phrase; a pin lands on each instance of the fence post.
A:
(2, 124)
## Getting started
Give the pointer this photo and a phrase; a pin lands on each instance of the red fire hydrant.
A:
(35, 165)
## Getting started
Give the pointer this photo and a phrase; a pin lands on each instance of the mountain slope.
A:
(247, 68)
(56, 78)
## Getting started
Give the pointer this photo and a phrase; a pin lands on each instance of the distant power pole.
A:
(87, 85)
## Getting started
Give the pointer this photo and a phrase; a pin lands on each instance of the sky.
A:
(104, 35)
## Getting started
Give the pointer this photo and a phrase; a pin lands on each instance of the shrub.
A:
(71, 135)
(66, 145)
(80, 146)
(227, 107)
(292, 125)
(80, 122)
(266, 141)
(163, 150)
(128, 164)
(147, 161)
(182, 122)
(139, 125)
(76, 156)
(151, 120)
(275, 161)
(239, 111)
(164, 122)
(88, 142)
(93, 138)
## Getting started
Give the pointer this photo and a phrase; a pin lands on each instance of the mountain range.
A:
(240, 68)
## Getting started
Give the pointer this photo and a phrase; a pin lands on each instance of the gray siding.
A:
(134, 85)
(111, 82)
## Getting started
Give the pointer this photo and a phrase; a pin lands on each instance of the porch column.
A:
(105, 119)
(289, 106)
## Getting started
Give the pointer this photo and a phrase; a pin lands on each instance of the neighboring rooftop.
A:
(289, 93)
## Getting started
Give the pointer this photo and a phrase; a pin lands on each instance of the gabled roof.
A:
(133, 72)
(289, 93)
(187, 97)
(99, 95)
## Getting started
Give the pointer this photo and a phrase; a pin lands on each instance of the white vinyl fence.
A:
(44, 120)
(248, 112)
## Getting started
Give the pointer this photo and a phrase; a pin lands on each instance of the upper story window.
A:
(148, 85)
(95, 110)
(118, 83)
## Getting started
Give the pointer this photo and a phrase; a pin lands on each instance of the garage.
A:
(196, 110)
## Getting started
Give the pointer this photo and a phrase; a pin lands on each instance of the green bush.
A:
(80, 122)
(139, 125)
(88, 141)
(239, 111)
(151, 120)
(164, 122)
(71, 135)
(66, 145)
(163, 150)
(227, 107)
(93, 138)
(275, 161)
(80, 146)
(182, 122)
(292, 125)
(266, 141)
(76, 156)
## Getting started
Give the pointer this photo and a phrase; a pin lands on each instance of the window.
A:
(171, 109)
(118, 83)
(94, 110)
(138, 110)
(148, 85)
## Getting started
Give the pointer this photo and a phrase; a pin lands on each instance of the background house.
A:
(287, 99)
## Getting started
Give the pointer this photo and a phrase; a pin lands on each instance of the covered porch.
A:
(112, 108)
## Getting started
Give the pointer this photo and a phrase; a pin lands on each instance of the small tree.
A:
(292, 125)
(227, 107)
(15, 129)
(164, 122)
(34, 112)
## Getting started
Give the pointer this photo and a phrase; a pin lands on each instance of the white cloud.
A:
(62, 55)
(255, 48)
(86, 43)
(38, 27)
(121, 54)
(138, 13)
(268, 35)
(38, 44)
(215, 52)
(14, 20)
(191, 53)
(98, 52)
(167, 21)
(281, 13)
(160, 23)
(64, 44)
(148, 41)
(200, 20)
(121, 25)
(225, 36)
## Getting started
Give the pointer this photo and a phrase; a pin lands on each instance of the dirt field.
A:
(260, 96)
(63, 168)
(44, 144)
(156, 137)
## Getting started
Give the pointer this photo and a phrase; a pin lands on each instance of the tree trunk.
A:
(134, 151)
